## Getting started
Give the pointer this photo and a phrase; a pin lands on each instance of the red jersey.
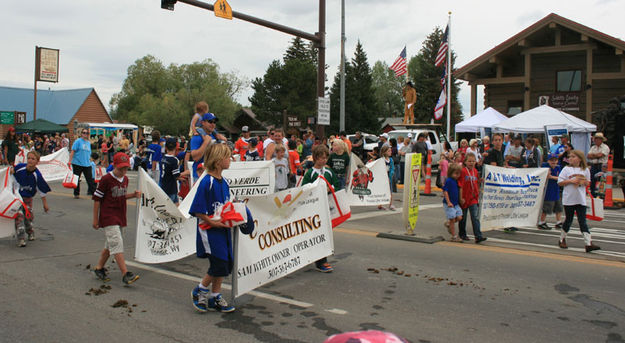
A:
(294, 161)
(240, 147)
(111, 194)
(469, 182)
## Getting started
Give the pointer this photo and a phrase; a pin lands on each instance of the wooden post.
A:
(588, 86)
(473, 99)
(528, 77)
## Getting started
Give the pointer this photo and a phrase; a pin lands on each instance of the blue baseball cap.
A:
(209, 116)
(552, 156)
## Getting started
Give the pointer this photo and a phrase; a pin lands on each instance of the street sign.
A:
(323, 111)
(222, 9)
(7, 117)
(292, 121)
(20, 118)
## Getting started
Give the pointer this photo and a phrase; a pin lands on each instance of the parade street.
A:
(513, 288)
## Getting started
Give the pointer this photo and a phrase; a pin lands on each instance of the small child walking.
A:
(469, 185)
(295, 166)
(574, 178)
(170, 171)
(30, 180)
(320, 155)
(214, 243)
(386, 154)
(552, 202)
(109, 213)
(451, 201)
(281, 163)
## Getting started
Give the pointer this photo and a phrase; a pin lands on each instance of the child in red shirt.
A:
(294, 163)
(469, 184)
(109, 213)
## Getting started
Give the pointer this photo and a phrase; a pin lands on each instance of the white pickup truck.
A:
(436, 139)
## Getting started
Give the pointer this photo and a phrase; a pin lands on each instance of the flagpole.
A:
(449, 98)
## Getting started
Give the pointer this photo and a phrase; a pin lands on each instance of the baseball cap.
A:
(209, 116)
(409, 135)
(121, 160)
(11, 129)
(245, 129)
(385, 135)
(170, 143)
(552, 156)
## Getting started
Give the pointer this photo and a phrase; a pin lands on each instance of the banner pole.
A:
(449, 69)
(235, 268)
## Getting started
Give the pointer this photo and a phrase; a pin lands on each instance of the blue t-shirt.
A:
(154, 154)
(555, 148)
(553, 190)
(82, 153)
(30, 181)
(196, 143)
(252, 156)
(451, 187)
(169, 174)
(217, 242)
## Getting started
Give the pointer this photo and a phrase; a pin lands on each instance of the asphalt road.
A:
(520, 289)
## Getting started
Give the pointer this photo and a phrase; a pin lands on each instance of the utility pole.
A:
(319, 38)
(342, 96)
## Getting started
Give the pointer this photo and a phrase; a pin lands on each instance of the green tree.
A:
(290, 84)
(388, 90)
(361, 107)
(165, 97)
(427, 78)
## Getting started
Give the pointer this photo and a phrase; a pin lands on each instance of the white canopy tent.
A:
(482, 120)
(535, 120)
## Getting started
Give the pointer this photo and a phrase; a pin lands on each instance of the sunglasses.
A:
(85, 132)
(212, 121)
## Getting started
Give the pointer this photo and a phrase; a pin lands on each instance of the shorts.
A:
(114, 241)
(552, 206)
(453, 212)
(173, 197)
(218, 267)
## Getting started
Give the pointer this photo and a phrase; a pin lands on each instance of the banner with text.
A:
(512, 197)
(53, 167)
(248, 178)
(367, 184)
(293, 229)
(164, 233)
(7, 226)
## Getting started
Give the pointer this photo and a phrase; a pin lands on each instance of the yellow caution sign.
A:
(223, 9)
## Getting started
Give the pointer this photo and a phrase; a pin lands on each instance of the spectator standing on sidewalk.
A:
(597, 156)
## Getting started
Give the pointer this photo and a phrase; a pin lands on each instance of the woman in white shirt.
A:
(475, 150)
(574, 178)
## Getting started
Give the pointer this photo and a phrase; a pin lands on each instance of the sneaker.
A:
(544, 226)
(465, 238)
(380, 207)
(456, 239)
(129, 278)
(325, 268)
(562, 244)
(76, 196)
(592, 247)
(200, 299)
(31, 236)
(219, 303)
(21, 243)
(102, 274)
(392, 208)
(480, 240)
(558, 226)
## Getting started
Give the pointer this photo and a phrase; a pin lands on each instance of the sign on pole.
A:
(412, 176)
(323, 111)
(47, 65)
(222, 9)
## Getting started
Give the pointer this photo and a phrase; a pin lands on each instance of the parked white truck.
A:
(434, 135)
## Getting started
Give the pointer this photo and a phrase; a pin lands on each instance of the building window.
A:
(515, 107)
(569, 81)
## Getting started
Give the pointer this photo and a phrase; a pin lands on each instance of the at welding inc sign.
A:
(47, 64)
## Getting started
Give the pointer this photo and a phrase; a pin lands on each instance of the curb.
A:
(410, 238)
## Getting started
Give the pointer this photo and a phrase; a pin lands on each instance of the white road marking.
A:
(575, 235)
(376, 213)
(600, 252)
(258, 294)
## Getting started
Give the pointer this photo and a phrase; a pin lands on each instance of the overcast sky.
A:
(99, 40)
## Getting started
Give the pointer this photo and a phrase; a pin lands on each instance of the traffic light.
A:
(168, 4)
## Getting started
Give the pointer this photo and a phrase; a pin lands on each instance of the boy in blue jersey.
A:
(155, 155)
(30, 180)
(213, 238)
(552, 202)
(170, 171)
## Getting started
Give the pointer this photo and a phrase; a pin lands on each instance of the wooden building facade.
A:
(556, 61)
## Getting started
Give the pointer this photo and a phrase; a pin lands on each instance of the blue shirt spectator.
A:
(82, 152)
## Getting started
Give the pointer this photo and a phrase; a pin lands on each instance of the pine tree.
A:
(388, 90)
(361, 108)
(427, 77)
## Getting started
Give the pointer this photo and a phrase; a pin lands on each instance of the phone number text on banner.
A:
(512, 197)
(293, 229)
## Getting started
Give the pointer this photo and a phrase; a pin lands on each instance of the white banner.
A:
(7, 226)
(164, 233)
(53, 167)
(247, 178)
(512, 197)
(368, 184)
(293, 229)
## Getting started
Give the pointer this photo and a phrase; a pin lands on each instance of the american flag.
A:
(399, 66)
(440, 105)
(441, 56)
(444, 76)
